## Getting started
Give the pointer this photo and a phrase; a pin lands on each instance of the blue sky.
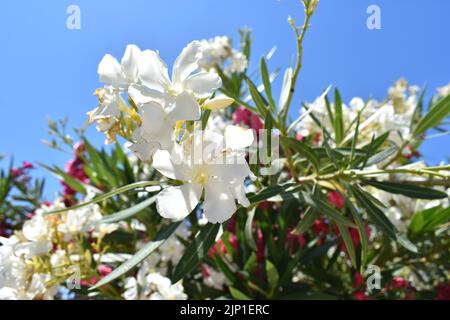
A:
(50, 71)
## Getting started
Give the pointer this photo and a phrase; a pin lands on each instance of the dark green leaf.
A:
(267, 86)
(411, 191)
(303, 149)
(196, 251)
(435, 115)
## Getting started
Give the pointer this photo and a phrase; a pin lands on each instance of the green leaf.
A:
(139, 256)
(345, 234)
(338, 118)
(238, 295)
(418, 109)
(381, 156)
(127, 213)
(306, 222)
(411, 191)
(75, 184)
(205, 117)
(269, 192)
(303, 149)
(332, 213)
(429, 219)
(361, 230)
(435, 115)
(105, 196)
(379, 218)
(267, 86)
(196, 251)
(272, 278)
(355, 138)
(257, 98)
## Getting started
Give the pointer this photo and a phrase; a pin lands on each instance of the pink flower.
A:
(299, 137)
(27, 165)
(399, 283)
(241, 116)
(336, 199)
(443, 292)
(292, 239)
(104, 270)
(245, 117)
(358, 280)
(360, 295)
(260, 246)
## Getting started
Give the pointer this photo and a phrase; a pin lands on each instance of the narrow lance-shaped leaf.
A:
(379, 218)
(127, 213)
(435, 115)
(361, 230)
(257, 98)
(381, 156)
(345, 234)
(196, 251)
(306, 222)
(339, 117)
(267, 86)
(108, 195)
(411, 191)
(321, 206)
(139, 256)
(303, 149)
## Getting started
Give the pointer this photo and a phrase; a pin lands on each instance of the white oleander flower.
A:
(444, 90)
(213, 278)
(165, 101)
(79, 221)
(110, 104)
(208, 162)
(215, 52)
(120, 75)
(172, 249)
(18, 281)
(37, 233)
(238, 63)
(149, 285)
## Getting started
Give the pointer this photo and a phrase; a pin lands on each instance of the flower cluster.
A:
(205, 161)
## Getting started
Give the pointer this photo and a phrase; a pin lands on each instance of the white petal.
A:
(218, 103)
(177, 202)
(186, 62)
(110, 72)
(141, 94)
(130, 62)
(239, 194)
(144, 150)
(153, 71)
(171, 165)
(203, 84)
(286, 88)
(219, 203)
(238, 137)
(153, 117)
(185, 108)
(231, 170)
